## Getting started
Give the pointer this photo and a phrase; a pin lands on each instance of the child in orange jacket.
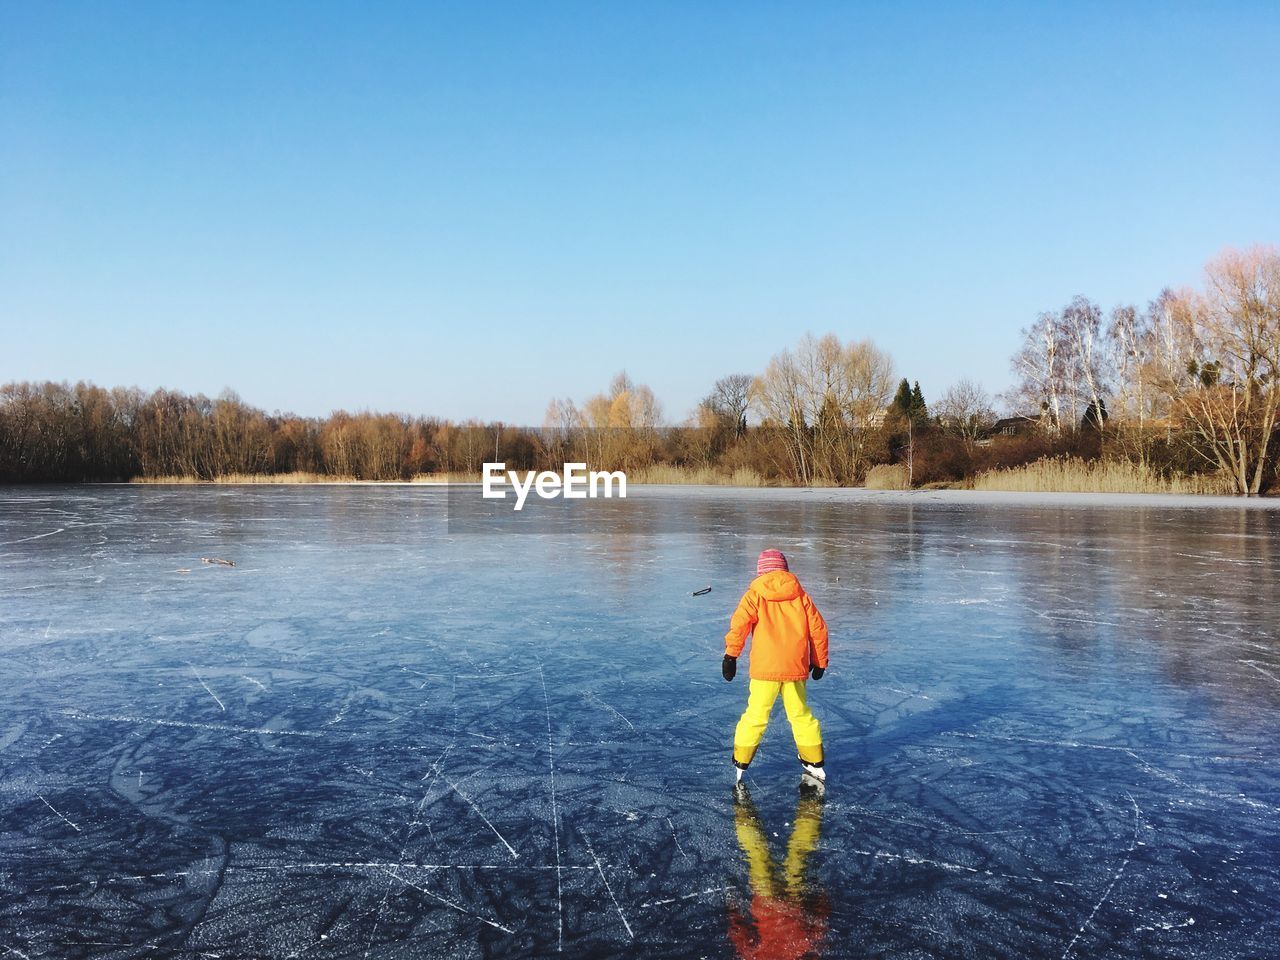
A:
(788, 645)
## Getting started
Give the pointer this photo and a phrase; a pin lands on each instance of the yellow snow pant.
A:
(760, 700)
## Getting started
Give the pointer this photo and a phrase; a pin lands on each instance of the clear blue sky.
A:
(466, 209)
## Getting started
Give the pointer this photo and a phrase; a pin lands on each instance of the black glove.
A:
(817, 671)
(729, 667)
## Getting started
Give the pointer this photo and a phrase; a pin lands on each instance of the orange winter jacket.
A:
(787, 631)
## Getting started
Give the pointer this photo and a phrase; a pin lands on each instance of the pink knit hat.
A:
(770, 560)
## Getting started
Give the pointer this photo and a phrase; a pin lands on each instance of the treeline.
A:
(56, 432)
(1188, 385)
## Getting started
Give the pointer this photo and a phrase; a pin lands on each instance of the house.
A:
(1014, 426)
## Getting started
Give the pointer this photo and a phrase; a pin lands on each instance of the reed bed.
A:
(301, 477)
(242, 478)
(1073, 475)
(705, 476)
(887, 476)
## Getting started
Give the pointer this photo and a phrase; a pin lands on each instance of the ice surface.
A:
(1051, 725)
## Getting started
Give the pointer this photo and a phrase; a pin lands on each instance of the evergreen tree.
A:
(919, 412)
(1095, 415)
(902, 399)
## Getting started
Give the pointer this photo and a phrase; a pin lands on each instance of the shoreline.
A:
(947, 496)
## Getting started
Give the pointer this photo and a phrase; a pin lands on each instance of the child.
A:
(788, 642)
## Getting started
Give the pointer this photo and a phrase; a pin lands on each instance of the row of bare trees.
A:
(1197, 370)
(56, 432)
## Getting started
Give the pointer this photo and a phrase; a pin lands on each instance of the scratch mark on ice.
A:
(206, 686)
(595, 698)
(676, 838)
(450, 903)
(1266, 673)
(1137, 824)
(1144, 765)
(56, 811)
(605, 880)
(956, 867)
(415, 822)
(222, 727)
(319, 865)
(687, 896)
(38, 536)
(454, 787)
(555, 812)
(1189, 922)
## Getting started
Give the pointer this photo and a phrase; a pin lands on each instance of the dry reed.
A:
(705, 476)
(300, 477)
(887, 476)
(1073, 475)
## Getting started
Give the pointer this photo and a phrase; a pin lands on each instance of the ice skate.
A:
(814, 770)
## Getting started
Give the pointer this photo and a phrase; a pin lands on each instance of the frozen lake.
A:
(1051, 729)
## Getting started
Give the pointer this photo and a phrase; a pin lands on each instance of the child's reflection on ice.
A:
(788, 915)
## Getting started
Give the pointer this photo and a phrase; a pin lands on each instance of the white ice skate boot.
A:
(815, 770)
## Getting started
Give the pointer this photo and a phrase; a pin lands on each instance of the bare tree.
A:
(867, 381)
(1234, 329)
(728, 401)
(620, 427)
(1041, 369)
(1063, 366)
(820, 397)
(562, 428)
(966, 410)
(1129, 337)
(780, 395)
(1088, 373)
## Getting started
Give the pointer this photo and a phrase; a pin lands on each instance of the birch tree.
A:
(1040, 368)
(1080, 327)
